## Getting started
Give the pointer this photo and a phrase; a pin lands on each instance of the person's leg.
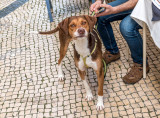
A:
(105, 29)
(129, 29)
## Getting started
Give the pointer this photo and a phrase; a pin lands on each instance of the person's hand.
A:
(109, 10)
(95, 6)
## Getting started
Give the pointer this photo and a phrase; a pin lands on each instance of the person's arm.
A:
(117, 9)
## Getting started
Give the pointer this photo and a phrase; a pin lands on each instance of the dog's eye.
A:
(73, 25)
(83, 23)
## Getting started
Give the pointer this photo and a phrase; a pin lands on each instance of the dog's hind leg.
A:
(63, 50)
(89, 95)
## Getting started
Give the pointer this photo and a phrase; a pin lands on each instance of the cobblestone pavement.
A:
(28, 70)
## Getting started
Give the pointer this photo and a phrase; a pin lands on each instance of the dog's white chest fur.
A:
(81, 46)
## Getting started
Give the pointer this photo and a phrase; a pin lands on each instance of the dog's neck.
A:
(81, 46)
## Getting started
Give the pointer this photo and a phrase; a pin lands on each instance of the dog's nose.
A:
(81, 31)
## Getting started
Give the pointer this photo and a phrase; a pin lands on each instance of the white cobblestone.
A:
(28, 70)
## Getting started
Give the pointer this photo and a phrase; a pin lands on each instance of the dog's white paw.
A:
(60, 77)
(60, 73)
(100, 105)
(89, 97)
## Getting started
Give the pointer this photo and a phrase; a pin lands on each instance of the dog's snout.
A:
(81, 31)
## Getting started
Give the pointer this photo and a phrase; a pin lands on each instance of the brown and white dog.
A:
(81, 30)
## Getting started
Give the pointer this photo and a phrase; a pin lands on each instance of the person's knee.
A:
(128, 28)
(125, 29)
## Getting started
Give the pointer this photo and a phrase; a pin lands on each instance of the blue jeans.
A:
(128, 28)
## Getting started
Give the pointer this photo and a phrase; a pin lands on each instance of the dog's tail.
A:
(50, 32)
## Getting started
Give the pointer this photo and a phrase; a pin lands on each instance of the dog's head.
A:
(77, 26)
(74, 27)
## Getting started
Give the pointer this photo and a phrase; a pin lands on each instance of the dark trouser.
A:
(129, 29)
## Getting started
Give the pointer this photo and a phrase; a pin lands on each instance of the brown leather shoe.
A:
(108, 57)
(135, 74)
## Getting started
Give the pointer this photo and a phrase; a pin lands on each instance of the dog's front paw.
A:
(100, 105)
(60, 73)
(89, 96)
(60, 77)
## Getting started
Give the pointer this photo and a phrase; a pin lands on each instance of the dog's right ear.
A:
(63, 26)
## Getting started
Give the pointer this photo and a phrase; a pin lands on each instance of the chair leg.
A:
(51, 6)
(48, 3)
(144, 50)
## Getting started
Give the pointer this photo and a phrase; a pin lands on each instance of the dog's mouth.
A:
(80, 36)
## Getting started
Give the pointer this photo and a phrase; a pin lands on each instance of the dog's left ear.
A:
(63, 26)
(91, 21)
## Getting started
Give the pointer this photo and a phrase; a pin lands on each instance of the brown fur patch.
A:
(100, 76)
(91, 21)
(98, 52)
(82, 74)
